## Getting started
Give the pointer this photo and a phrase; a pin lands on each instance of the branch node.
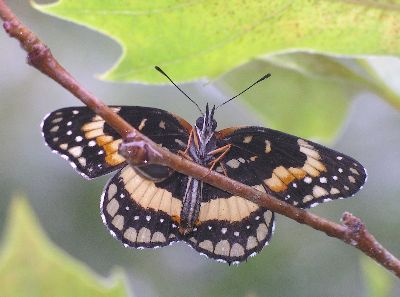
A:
(7, 25)
(355, 228)
(38, 55)
(353, 223)
(137, 151)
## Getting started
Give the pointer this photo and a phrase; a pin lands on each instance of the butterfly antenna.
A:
(163, 73)
(261, 79)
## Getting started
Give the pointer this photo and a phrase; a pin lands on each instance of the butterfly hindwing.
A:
(140, 212)
(91, 145)
(230, 228)
(144, 214)
(298, 171)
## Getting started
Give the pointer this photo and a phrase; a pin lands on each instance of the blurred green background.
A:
(299, 260)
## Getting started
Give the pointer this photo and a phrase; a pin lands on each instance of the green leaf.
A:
(30, 265)
(351, 73)
(378, 281)
(309, 93)
(193, 39)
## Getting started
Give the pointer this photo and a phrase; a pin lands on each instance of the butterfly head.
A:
(206, 124)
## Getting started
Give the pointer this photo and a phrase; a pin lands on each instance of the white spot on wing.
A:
(180, 142)
(241, 160)
(222, 248)
(118, 222)
(144, 235)
(112, 207)
(319, 192)
(233, 163)
(158, 237)
(308, 180)
(262, 232)
(267, 146)
(334, 191)
(56, 120)
(142, 124)
(237, 250)
(251, 243)
(207, 245)
(64, 146)
(75, 151)
(82, 161)
(247, 139)
(130, 234)
(354, 171)
(308, 198)
(112, 190)
(54, 129)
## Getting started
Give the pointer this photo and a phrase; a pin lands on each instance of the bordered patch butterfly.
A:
(152, 206)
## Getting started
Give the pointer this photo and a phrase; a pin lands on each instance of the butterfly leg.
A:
(185, 152)
(223, 150)
(223, 168)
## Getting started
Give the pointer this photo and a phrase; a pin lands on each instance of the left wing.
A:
(91, 145)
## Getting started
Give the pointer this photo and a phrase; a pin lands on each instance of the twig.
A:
(137, 148)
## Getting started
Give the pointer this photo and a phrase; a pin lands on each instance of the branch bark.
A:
(139, 149)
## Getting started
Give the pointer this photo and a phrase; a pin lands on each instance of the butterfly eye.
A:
(199, 123)
(214, 125)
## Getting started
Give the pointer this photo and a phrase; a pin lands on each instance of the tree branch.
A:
(138, 149)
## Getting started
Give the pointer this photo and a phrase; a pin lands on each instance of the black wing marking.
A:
(298, 171)
(91, 145)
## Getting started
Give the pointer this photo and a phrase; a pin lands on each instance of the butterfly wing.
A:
(91, 145)
(140, 212)
(230, 228)
(298, 171)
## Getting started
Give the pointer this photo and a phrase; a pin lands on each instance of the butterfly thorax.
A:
(202, 142)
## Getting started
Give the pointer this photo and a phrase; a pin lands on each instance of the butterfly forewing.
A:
(292, 169)
(91, 145)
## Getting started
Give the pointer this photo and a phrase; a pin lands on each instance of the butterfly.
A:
(153, 206)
